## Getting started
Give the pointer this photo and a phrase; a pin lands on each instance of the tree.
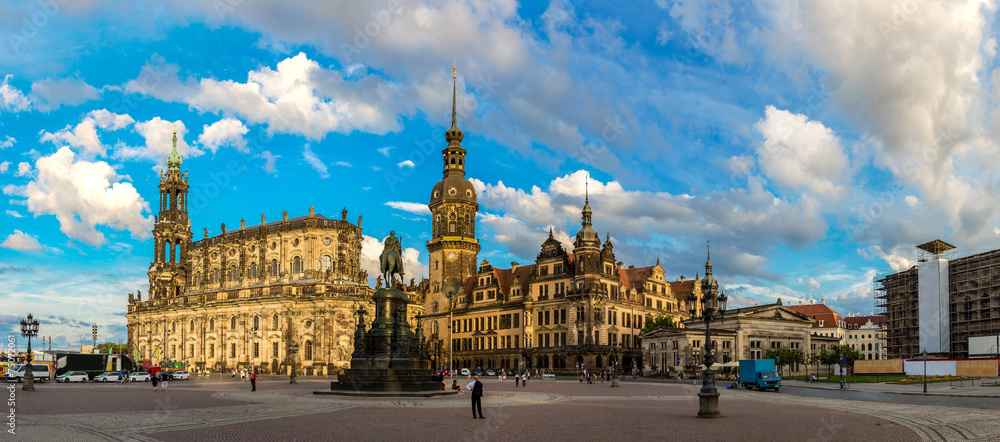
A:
(785, 356)
(662, 320)
(848, 353)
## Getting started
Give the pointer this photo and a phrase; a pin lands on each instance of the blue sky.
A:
(813, 143)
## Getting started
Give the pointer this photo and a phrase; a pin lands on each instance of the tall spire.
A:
(708, 262)
(454, 133)
(174, 159)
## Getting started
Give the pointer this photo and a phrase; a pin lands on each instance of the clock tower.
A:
(453, 249)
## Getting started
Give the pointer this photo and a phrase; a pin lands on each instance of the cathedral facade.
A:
(240, 298)
(566, 310)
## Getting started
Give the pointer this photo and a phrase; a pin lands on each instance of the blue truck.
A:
(759, 374)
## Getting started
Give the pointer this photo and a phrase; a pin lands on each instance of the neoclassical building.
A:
(238, 299)
(569, 308)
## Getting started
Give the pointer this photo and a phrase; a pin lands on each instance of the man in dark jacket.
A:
(476, 388)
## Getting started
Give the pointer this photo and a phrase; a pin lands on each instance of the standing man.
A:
(253, 381)
(476, 388)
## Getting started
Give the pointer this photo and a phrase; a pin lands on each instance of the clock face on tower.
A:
(452, 256)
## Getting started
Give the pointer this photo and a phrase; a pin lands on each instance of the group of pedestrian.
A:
(161, 380)
(246, 376)
(123, 377)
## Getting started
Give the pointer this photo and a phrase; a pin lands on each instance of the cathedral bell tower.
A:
(453, 248)
(172, 231)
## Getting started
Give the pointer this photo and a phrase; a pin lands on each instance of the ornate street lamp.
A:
(713, 306)
(293, 348)
(29, 328)
(614, 365)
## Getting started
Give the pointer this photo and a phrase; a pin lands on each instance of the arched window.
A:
(215, 276)
(435, 308)
(211, 324)
(233, 275)
(192, 325)
(296, 265)
(325, 263)
(173, 327)
(434, 327)
(274, 322)
(453, 161)
(256, 323)
(309, 351)
(274, 267)
(232, 322)
(253, 270)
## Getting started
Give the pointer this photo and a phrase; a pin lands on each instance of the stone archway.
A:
(274, 366)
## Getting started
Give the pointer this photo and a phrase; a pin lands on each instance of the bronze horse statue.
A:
(391, 260)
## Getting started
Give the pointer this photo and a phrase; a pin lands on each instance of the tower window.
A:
(274, 267)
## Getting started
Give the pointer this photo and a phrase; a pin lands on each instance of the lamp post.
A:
(713, 306)
(29, 328)
(94, 329)
(614, 366)
(925, 370)
(293, 348)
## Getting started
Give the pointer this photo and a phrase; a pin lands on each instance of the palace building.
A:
(238, 299)
(568, 309)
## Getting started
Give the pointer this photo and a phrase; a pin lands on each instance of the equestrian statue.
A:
(391, 260)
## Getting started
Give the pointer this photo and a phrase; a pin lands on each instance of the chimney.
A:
(811, 301)
(871, 313)
(823, 301)
(631, 266)
(513, 266)
(800, 302)
(682, 278)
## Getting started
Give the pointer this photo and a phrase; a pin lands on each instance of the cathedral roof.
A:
(174, 159)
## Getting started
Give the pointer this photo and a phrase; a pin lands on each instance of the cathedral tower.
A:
(453, 249)
(172, 231)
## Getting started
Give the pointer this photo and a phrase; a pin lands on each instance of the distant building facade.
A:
(568, 309)
(939, 303)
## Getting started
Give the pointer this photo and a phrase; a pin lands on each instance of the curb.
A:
(900, 392)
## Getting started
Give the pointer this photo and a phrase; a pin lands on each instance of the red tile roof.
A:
(819, 312)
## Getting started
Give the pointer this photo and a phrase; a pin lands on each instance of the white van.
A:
(464, 372)
(39, 371)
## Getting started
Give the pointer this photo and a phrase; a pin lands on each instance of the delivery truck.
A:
(759, 374)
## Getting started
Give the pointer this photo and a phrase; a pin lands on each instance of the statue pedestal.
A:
(388, 359)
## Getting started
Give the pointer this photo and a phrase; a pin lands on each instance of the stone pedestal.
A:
(389, 359)
(708, 405)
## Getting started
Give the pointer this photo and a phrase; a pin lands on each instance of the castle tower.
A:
(453, 249)
(172, 231)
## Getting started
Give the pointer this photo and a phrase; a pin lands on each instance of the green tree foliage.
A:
(785, 356)
(662, 320)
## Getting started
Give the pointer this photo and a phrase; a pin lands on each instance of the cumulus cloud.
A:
(314, 161)
(414, 208)
(7, 143)
(49, 94)
(21, 242)
(83, 195)
(4, 166)
(23, 169)
(406, 163)
(269, 162)
(801, 154)
(812, 283)
(158, 134)
(11, 98)
(297, 97)
(84, 135)
(225, 132)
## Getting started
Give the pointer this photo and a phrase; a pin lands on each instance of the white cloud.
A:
(812, 283)
(49, 94)
(912, 200)
(406, 163)
(83, 195)
(897, 262)
(801, 154)
(21, 242)
(158, 134)
(23, 169)
(298, 97)
(343, 164)
(385, 150)
(84, 135)
(269, 162)
(4, 166)
(7, 143)
(225, 132)
(414, 208)
(14, 214)
(11, 98)
(314, 161)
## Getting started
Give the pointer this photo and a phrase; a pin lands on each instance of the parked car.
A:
(39, 371)
(491, 373)
(164, 376)
(479, 372)
(73, 376)
(465, 372)
(182, 376)
(108, 376)
(138, 376)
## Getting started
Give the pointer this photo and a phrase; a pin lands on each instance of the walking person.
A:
(524, 379)
(154, 381)
(517, 379)
(253, 381)
(476, 388)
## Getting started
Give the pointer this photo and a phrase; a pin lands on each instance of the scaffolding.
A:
(896, 302)
(974, 299)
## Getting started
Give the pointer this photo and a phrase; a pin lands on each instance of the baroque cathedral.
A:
(567, 310)
(240, 298)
